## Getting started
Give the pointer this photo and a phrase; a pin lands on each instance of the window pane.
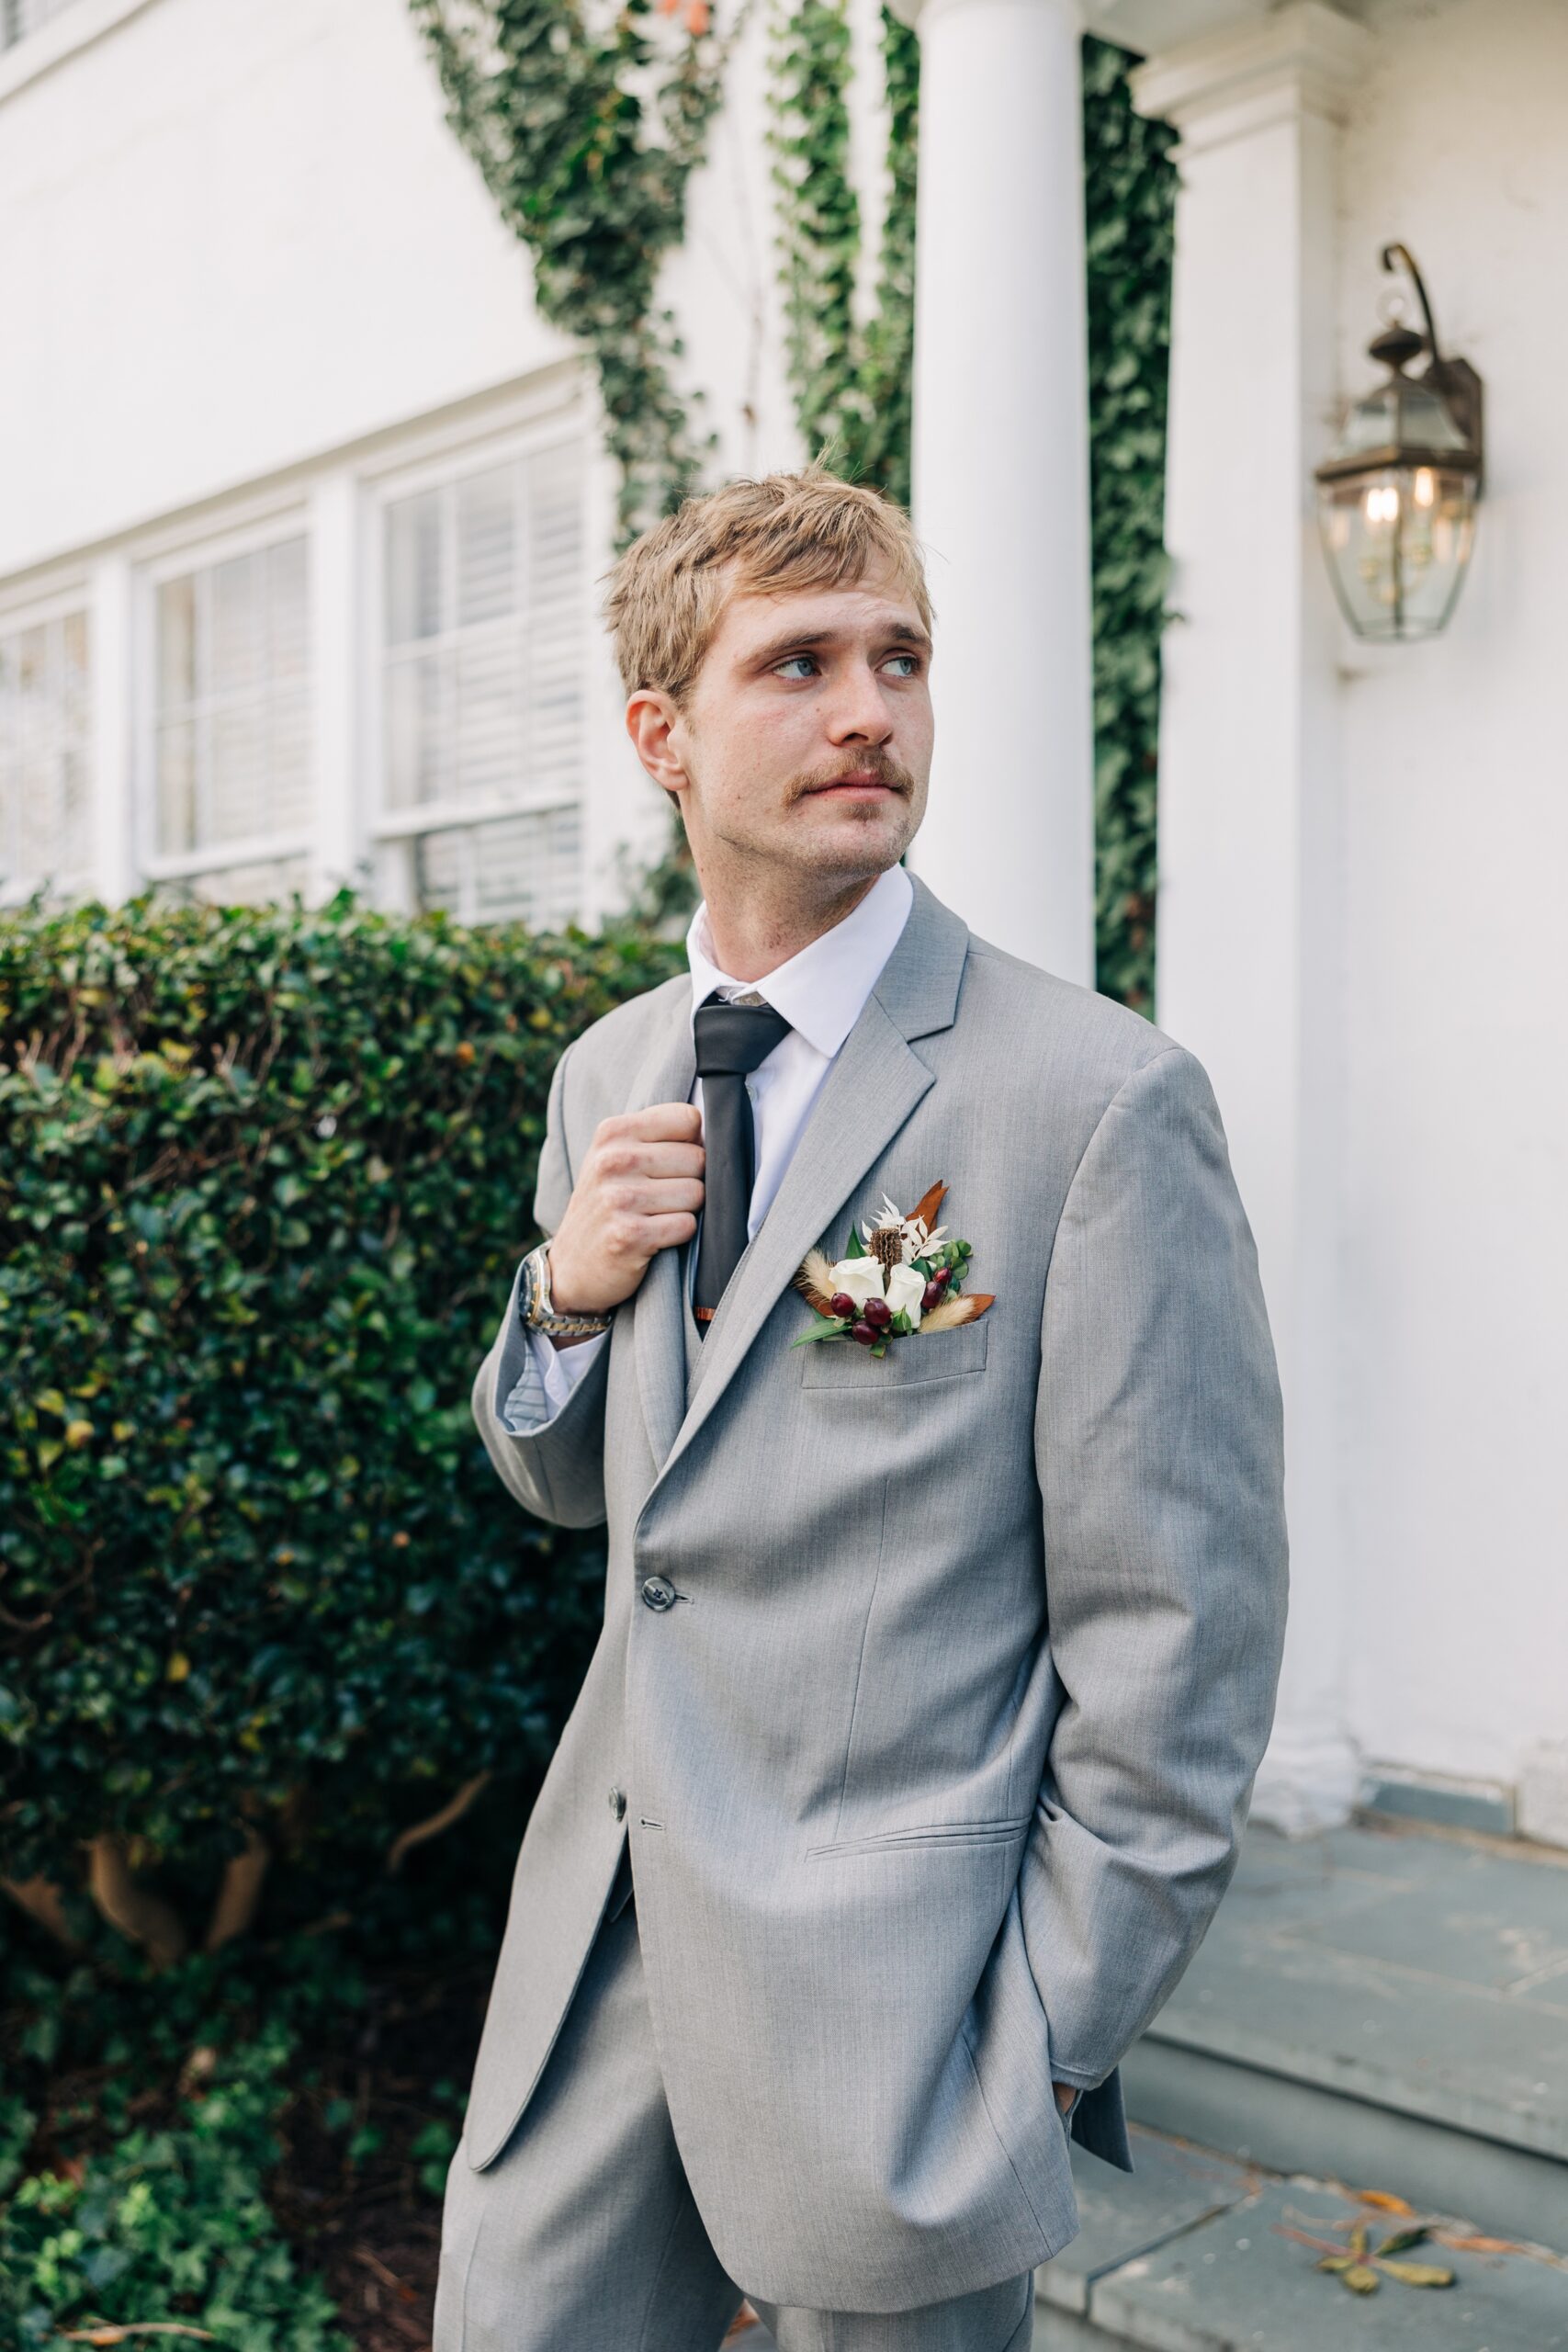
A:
(45, 718)
(288, 763)
(486, 553)
(176, 786)
(176, 642)
(287, 611)
(237, 650)
(413, 731)
(488, 730)
(413, 568)
(493, 566)
(526, 868)
(438, 872)
(232, 732)
(237, 803)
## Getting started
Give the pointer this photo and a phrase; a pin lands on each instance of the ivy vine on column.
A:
(850, 381)
(587, 133)
(1130, 225)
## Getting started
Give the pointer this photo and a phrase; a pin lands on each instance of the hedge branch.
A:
(436, 1823)
(42, 1901)
(113, 2335)
(144, 1917)
(239, 1894)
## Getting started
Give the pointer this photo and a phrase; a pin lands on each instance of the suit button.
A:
(657, 1592)
(618, 1804)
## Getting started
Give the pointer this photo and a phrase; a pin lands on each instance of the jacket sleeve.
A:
(1158, 1450)
(550, 1459)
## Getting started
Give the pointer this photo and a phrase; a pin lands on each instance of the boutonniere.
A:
(900, 1281)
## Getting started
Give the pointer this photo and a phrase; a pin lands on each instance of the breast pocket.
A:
(920, 1356)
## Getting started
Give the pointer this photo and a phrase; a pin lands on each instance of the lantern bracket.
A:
(1455, 381)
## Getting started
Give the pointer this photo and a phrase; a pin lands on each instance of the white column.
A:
(337, 656)
(1001, 473)
(110, 654)
(1249, 973)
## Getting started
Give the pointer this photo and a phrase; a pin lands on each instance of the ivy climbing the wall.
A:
(586, 138)
(1129, 208)
(851, 381)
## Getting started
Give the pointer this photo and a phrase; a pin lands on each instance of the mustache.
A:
(878, 765)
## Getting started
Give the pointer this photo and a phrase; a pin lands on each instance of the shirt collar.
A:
(820, 991)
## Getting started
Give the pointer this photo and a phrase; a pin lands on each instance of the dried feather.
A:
(815, 1280)
(928, 1204)
(953, 1311)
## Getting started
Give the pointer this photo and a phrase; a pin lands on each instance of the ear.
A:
(651, 718)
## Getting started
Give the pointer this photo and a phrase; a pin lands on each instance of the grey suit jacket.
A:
(935, 1771)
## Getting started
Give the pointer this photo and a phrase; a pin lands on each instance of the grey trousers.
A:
(583, 2235)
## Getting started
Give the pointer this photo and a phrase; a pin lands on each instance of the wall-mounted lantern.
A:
(1396, 502)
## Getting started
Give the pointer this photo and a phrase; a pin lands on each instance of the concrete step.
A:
(1194, 2253)
(1383, 2006)
(1191, 2253)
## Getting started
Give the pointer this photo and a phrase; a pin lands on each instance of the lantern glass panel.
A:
(1400, 414)
(1397, 540)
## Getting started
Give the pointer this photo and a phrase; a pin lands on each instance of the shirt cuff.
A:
(547, 1377)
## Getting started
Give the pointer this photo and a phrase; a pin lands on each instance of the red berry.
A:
(931, 1295)
(877, 1312)
(843, 1306)
(943, 1275)
(863, 1332)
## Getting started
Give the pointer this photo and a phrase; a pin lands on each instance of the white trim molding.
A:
(76, 28)
(1306, 58)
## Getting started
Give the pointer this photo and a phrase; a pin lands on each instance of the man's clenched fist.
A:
(637, 1191)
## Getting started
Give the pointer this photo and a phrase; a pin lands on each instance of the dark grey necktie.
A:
(731, 1039)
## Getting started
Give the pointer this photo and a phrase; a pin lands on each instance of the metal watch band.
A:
(539, 1315)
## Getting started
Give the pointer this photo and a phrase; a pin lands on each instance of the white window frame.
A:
(35, 611)
(197, 554)
(561, 428)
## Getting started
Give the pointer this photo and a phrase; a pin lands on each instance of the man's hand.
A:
(639, 1191)
(1066, 2094)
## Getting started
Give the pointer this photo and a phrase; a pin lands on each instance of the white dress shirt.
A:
(820, 992)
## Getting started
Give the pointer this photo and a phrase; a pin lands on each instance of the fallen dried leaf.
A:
(1419, 2274)
(1401, 2239)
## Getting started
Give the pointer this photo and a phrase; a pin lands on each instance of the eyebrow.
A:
(813, 641)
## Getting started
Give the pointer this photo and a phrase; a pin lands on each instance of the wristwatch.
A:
(534, 1306)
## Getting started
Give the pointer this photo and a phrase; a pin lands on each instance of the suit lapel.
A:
(875, 1083)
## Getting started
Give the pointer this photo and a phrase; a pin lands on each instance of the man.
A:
(937, 1664)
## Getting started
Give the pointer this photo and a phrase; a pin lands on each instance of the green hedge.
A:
(264, 1177)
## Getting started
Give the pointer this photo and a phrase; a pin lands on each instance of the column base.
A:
(1306, 1783)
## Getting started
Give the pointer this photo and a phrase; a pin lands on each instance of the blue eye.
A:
(810, 659)
(910, 658)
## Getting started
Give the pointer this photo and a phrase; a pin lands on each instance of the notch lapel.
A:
(875, 1083)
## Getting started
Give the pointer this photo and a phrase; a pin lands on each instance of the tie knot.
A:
(731, 1039)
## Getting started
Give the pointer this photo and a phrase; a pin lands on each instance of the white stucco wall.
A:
(1454, 1305)
(229, 238)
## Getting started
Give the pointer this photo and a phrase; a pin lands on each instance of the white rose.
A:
(906, 1288)
(861, 1277)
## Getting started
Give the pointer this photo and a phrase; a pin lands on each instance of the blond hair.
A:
(668, 593)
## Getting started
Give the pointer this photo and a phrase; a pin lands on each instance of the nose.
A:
(862, 713)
